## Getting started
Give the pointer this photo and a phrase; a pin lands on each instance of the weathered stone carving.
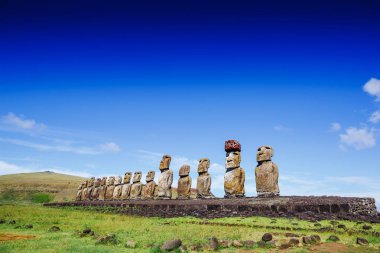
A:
(110, 188)
(102, 188)
(136, 186)
(79, 192)
(125, 191)
(150, 186)
(165, 179)
(90, 188)
(204, 179)
(117, 191)
(84, 191)
(184, 182)
(235, 175)
(95, 192)
(266, 173)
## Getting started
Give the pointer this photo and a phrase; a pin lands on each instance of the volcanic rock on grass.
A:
(28, 226)
(361, 241)
(285, 246)
(54, 229)
(11, 222)
(367, 227)
(316, 239)
(86, 231)
(214, 243)
(291, 235)
(267, 237)
(108, 239)
(333, 238)
(237, 243)
(342, 226)
(2, 221)
(248, 243)
(294, 242)
(171, 245)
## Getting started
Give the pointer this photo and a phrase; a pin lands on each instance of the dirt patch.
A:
(11, 237)
(331, 247)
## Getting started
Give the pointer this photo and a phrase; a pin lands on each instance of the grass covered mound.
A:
(78, 230)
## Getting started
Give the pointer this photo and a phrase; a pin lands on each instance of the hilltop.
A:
(21, 186)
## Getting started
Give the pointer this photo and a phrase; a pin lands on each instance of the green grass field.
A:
(150, 233)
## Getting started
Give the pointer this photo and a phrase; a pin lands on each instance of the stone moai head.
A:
(150, 176)
(127, 177)
(104, 181)
(233, 156)
(165, 162)
(203, 165)
(264, 153)
(111, 181)
(184, 171)
(137, 177)
(118, 180)
(97, 182)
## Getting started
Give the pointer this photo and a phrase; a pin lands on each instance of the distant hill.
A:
(21, 186)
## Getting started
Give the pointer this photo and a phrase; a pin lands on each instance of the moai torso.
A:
(266, 173)
(110, 188)
(184, 183)
(117, 191)
(136, 187)
(165, 180)
(96, 190)
(79, 192)
(102, 188)
(235, 175)
(90, 187)
(150, 186)
(204, 179)
(126, 189)
(84, 190)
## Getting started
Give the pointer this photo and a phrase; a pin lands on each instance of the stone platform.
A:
(308, 208)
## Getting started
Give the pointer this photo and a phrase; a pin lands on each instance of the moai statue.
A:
(90, 188)
(84, 191)
(117, 191)
(184, 182)
(165, 179)
(235, 175)
(266, 173)
(136, 187)
(102, 188)
(79, 192)
(96, 190)
(150, 186)
(110, 188)
(204, 180)
(126, 186)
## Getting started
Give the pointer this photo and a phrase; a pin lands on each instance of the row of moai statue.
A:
(114, 188)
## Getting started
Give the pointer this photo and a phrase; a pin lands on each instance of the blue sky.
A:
(93, 88)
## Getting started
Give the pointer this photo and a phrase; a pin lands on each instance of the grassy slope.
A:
(60, 185)
(145, 231)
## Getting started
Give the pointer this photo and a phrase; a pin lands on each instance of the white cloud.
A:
(358, 138)
(375, 117)
(8, 168)
(281, 128)
(110, 147)
(19, 122)
(372, 87)
(335, 127)
(104, 148)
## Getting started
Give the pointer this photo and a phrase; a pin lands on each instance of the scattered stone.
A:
(171, 245)
(267, 237)
(28, 226)
(130, 244)
(333, 238)
(285, 246)
(54, 229)
(317, 225)
(237, 243)
(108, 239)
(224, 243)
(2, 221)
(294, 242)
(11, 222)
(342, 226)
(307, 240)
(367, 227)
(196, 247)
(248, 243)
(361, 241)
(214, 243)
(183, 249)
(315, 239)
(261, 244)
(86, 231)
(291, 235)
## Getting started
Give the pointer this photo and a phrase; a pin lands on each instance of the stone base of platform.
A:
(308, 208)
